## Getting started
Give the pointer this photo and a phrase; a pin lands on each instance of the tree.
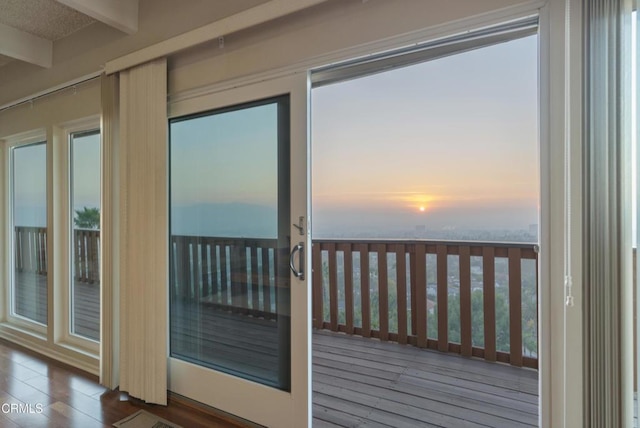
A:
(87, 218)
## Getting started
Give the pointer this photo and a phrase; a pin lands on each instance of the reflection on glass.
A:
(229, 275)
(29, 223)
(84, 154)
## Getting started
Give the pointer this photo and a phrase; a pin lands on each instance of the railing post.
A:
(515, 307)
(318, 310)
(465, 301)
(333, 287)
(443, 305)
(42, 268)
(255, 289)
(420, 294)
(401, 281)
(489, 302)
(348, 285)
(224, 278)
(95, 256)
(364, 290)
(205, 269)
(383, 292)
(266, 281)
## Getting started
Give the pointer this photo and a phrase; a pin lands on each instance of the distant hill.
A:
(229, 219)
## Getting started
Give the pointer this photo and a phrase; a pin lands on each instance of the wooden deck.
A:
(360, 382)
(31, 303)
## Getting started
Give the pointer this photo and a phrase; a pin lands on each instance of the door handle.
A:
(299, 248)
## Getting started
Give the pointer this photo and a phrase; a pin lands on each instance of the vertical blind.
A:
(143, 231)
(606, 216)
(108, 313)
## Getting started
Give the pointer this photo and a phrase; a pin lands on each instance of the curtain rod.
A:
(51, 91)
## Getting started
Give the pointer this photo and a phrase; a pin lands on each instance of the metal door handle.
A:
(299, 248)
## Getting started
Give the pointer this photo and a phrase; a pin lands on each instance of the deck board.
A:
(357, 382)
(422, 385)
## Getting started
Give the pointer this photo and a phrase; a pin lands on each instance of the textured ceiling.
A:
(44, 18)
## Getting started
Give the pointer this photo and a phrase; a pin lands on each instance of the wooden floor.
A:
(53, 395)
(356, 382)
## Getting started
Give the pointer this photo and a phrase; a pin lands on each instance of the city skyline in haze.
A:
(447, 144)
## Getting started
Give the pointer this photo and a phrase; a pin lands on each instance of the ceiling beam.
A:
(119, 14)
(25, 47)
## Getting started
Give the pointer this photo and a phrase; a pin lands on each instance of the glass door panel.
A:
(240, 332)
(229, 272)
(29, 225)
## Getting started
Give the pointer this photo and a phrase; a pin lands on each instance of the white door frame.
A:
(243, 398)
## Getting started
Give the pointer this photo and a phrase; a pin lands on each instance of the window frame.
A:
(20, 324)
(62, 298)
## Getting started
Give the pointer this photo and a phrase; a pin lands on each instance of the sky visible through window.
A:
(29, 172)
(30, 175)
(86, 171)
(443, 149)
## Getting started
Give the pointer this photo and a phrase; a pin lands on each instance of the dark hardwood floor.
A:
(54, 395)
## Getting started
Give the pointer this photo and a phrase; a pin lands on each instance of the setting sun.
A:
(421, 208)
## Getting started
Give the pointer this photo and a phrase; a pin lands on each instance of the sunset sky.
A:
(447, 143)
(450, 143)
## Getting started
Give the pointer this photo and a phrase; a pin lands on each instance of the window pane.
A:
(29, 203)
(85, 237)
(229, 272)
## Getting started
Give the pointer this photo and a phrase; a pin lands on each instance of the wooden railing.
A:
(86, 250)
(31, 249)
(235, 274)
(240, 275)
(31, 252)
(335, 266)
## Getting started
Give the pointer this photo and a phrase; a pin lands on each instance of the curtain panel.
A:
(143, 246)
(608, 379)
(108, 292)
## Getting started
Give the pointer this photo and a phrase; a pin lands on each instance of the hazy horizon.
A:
(440, 147)
(448, 144)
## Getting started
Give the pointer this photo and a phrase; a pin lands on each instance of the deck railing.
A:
(234, 274)
(489, 290)
(31, 252)
(86, 249)
(432, 275)
(31, 249)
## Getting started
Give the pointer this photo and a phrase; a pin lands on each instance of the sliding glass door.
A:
(238, 233)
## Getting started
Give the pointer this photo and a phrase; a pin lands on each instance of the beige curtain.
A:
(608, 376)
(108, 238)
(143, 227)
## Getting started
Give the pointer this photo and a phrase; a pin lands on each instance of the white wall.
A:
(336, 26)
(52, 110)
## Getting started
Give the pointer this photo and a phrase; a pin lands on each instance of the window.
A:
(29, 228)
(84, 204)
